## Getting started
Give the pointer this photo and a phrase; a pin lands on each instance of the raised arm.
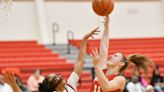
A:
(82, 52)
(10, 79)
(104, 42)
(105, 84)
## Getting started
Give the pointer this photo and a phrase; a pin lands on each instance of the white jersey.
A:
(5, 88)
(72, 81)
(134, 87)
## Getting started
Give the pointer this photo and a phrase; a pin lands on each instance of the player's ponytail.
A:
(141, 62)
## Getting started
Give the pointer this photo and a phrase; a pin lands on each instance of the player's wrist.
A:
(97, 66)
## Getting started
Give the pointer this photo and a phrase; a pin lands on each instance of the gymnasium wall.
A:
(138, 19)
(21, 24)
(129, 19)
(75, 16)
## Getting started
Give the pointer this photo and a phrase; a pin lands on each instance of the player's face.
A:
(61, 86)
(58, 82)
(114, 59)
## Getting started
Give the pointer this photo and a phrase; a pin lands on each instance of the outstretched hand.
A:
(92, 33)
(95, 57)
(82, 52)
(9, 78)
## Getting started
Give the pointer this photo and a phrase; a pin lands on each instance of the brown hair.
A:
(141, 62)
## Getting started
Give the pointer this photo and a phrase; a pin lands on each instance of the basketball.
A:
(103, 7)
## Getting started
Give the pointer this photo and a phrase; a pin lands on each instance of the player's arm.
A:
(74, 77)
(10, 79)
(109, 85)
(103, 81)
(104, 43)
(82, 52)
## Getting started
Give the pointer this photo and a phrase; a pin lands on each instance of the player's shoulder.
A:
(120, 78)
(70, 88)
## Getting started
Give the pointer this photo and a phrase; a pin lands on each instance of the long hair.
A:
(141, 62)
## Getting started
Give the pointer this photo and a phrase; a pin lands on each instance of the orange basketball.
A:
(102, 7)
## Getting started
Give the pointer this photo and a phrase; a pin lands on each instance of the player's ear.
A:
(121, 64)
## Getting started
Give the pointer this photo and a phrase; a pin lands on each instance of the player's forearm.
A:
(15, 87)
(103, 81)
(79, 68)
(104, 45)
(82, 51)
(81, 58)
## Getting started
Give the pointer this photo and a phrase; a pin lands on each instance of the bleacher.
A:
(28, 56)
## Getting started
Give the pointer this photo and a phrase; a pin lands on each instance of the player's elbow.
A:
(105, 88)
(108, 87)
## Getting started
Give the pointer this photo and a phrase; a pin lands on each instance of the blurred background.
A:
(39, 37)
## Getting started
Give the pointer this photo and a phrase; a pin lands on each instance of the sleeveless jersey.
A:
(96, 87)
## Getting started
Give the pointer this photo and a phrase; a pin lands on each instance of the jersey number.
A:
(96, 88)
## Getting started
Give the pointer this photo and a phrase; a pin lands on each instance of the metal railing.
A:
(55, 29)
(70, 35)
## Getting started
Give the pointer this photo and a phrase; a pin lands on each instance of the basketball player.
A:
(108, 71)
(57, 83)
